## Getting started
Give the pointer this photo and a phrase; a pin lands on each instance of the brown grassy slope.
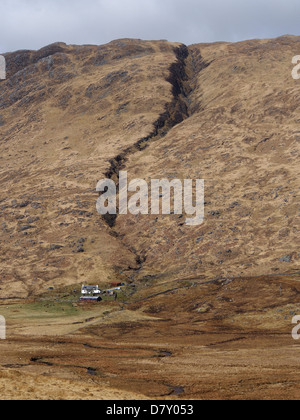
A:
(223, 340)
(242, 137)
(17, 386)
(65, 111)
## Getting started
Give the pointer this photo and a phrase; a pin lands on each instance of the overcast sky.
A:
(32, 24)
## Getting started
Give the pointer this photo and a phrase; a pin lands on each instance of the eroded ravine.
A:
(175, 112)
(181, 77)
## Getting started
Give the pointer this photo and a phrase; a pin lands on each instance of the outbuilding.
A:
(91, 299)
(116, 284)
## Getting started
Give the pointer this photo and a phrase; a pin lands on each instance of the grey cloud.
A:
(32, 24)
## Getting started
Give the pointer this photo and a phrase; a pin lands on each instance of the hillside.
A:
(227, 113)
(65, 113)
(242, 137)
(206, 311)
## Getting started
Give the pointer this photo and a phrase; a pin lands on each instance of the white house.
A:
(90, 290)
